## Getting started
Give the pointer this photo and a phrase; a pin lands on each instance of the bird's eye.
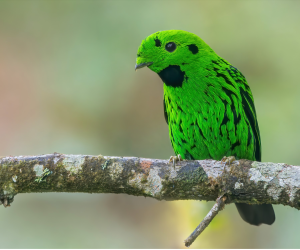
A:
(170, 46)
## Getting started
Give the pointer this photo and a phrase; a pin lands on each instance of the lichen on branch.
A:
(241, 181)
(226, 182)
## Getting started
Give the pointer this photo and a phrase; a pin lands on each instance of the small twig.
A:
(219, 205)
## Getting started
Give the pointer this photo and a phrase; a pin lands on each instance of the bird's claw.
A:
(228, 160)
(174, 159)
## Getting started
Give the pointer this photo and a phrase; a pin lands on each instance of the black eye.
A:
(170, 46)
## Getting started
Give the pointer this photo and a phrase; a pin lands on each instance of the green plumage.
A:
(208, 104)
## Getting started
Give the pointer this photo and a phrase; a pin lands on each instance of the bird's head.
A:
(170, 47)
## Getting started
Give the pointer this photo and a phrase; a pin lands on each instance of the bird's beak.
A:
(142, 65)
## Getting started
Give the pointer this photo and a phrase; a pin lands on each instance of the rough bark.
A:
(241, 181)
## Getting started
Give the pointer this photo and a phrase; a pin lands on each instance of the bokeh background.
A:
(68, 85)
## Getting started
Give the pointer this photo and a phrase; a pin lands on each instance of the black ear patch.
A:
(157, 42)
(172, 76)
(193, 48)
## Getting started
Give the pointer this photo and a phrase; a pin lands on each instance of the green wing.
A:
(249, 108)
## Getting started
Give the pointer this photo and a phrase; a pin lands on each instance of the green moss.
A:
(106, 163)
(43, 176)
(144, 179)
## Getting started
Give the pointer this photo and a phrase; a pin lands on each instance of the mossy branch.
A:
(240, 181)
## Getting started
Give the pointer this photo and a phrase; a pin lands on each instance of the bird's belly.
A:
(194, 142)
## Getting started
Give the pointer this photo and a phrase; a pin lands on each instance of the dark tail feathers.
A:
(256, 214)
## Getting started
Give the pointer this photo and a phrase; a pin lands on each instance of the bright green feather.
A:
(212, 113)
(208, 105)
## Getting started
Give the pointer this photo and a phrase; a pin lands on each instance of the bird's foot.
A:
(228, 160)
(174, 159)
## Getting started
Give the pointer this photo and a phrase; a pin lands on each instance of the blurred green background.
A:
(68, 85)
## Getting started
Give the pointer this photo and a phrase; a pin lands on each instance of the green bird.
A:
(208, 105)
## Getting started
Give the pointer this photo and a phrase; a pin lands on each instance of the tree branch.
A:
(240, 181)
(219, 205)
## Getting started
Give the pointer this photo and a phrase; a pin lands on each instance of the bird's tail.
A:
(256, 214)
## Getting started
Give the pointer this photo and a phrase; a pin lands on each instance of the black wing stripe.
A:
(250, 113)
(165, 112)
(249, 109)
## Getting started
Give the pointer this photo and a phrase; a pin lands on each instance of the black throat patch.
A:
(172, 76)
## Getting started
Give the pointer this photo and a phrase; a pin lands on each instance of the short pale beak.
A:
(142, 65)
